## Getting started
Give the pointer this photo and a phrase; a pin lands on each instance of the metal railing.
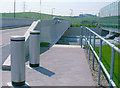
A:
(89, 33)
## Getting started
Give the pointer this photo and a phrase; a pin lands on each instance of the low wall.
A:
(76, 31)
(17, 22)
(52, 30)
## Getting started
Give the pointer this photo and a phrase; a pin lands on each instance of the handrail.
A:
(111, 45)
(105, 70)
(101, 65)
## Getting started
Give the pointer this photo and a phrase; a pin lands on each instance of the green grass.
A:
(36, 16)
(85, 20)
(90, 26)
(109, 20)
(30, 15)
(106, 59)
(44, 44)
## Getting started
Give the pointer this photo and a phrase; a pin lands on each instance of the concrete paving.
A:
(61, 65)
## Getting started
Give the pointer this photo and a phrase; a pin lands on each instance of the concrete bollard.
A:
(34, 49)
(18, 60)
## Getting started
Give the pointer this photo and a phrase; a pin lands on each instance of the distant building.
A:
(87, 15)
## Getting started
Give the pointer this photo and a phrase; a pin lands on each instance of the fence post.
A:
(93, 53)
(112, 64)
(18, 60)
(85, 30)
(81, 36)
(90, 44)
(87, 39)
(99, 69)
(34, 49)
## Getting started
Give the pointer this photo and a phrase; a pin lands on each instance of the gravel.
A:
(103, 80)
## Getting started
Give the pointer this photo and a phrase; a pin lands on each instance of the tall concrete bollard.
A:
(34, 49)
(18, 60)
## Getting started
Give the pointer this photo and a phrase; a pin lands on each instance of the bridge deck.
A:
(61, 65)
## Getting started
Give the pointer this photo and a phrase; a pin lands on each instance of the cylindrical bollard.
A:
(34, 49)
(18, 60)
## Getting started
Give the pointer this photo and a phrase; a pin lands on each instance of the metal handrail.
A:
(110, 44)
(101, 65)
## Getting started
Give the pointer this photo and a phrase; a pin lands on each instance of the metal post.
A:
(81, 36)
(52, 11)
(89, 47)
(85, 32)
(40, 9)
(99, 69)
(93, 53)
(87, 39)
(18, 60)
(14, 7)
(34, 48)
(112, 63)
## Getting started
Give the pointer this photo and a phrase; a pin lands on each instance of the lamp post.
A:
(24, 6)
(14, 8)
(71, 14)
(52, 10)
(40, 9)
(81, 13)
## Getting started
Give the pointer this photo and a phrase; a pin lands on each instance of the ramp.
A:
(62, 65)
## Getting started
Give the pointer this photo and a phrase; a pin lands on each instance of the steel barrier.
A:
(101, 65)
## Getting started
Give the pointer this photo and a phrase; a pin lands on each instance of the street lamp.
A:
(71, 14)
(14, 8)
(52, 10)
(40, 9)
(81, 14)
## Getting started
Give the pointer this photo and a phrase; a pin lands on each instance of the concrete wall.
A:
(17, 22)
(76, 31)
(52, 30)
(73, 34)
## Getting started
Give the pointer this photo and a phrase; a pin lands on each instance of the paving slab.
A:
(61, 65)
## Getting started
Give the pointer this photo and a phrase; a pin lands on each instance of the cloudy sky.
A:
(62, 7)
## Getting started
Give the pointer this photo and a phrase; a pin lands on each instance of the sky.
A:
(62, 7)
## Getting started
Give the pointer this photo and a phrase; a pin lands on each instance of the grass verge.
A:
(106, 59)
(44, 44)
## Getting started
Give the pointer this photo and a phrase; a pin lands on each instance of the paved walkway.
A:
(61, 65)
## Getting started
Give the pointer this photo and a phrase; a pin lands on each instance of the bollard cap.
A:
(17, 38)
(34, 32)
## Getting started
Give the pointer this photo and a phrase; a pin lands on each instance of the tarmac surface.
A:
(5, 40)
(61, 65)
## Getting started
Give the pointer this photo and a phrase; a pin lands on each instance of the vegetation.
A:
(30, 15)
(90, 26)
(109, 22)
(106, 59)
(110, 26)
(84, 20)
(44, 44)
(110, 19)
(37, 16)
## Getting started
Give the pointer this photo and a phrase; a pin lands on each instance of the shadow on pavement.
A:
(44, 49)
(44, 71)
